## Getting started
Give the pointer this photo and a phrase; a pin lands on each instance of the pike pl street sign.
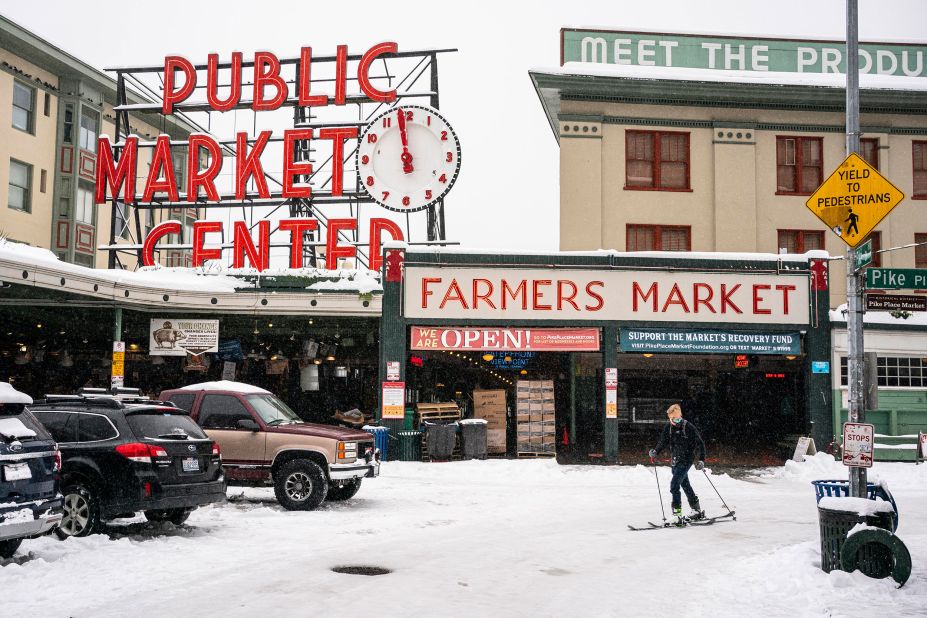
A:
(854, 199)
(896, 278)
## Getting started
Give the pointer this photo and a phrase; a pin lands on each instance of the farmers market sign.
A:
(733, 53)
(461, 293)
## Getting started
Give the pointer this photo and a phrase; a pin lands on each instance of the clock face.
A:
(408, 158)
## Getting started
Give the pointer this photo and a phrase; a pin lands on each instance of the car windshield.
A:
(272, 410)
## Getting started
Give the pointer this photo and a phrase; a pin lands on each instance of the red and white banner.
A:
(469, 293)
(507, 339)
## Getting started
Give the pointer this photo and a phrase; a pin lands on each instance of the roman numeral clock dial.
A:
(408, 158)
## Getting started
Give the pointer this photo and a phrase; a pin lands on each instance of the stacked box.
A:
(536, 416)
(490, 405)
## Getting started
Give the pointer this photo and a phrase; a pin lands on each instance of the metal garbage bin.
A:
(837, 517)
(473, 433)
(440, 439)
(409, 445)
(380, 439)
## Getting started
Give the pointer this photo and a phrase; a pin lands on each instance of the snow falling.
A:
(481, 538)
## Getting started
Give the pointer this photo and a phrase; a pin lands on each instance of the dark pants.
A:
(681, 479)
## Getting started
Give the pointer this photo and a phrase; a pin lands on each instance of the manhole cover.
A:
(361, 570)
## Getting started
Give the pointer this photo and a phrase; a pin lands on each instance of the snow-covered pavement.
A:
(480, 538)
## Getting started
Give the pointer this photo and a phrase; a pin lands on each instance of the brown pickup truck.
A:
(264, 442)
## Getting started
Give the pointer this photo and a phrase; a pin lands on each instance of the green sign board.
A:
(733, 53)
(864, 254)
(680, 341)
(896, 278)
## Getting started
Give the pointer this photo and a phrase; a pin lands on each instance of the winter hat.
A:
(674, 411)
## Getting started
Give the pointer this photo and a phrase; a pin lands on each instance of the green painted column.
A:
(392, 343)
(610, 359)
(818, 386)
(117, 324)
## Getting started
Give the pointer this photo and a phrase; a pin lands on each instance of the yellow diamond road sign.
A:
(854, 199)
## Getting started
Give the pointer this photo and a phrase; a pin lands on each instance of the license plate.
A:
(17, 472)
(191, 464)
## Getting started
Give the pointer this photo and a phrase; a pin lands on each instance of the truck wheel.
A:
(8, 548)
(175, 516)
(344, 492)
(300, 485)
(81, 512)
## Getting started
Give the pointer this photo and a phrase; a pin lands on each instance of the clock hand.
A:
(406, 155)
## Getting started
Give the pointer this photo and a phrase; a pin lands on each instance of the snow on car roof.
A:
(8, 394)
(225, 385)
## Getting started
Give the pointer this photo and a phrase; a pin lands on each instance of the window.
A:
(83, 210)
(894, 371)
(47, 110)
(800, 241)
(919, 153)
(657, 160)
(876, 238)
(43, 180)
(799, 164)
(122, 220)
(156, 425)
(94, 428)
(20, 192)
(659, 238)
(184, 401)
(68, 136)
(179, 162)
(61, 425)
(920, 253)
(222, 412)
(89, 127)
(869, 151)
(23, 107)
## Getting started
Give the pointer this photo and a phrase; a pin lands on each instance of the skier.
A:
(683, 440)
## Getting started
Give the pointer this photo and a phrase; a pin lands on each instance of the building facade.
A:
(53, 107)
(697, 143)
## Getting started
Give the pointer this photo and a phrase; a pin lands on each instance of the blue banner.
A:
(679, 341)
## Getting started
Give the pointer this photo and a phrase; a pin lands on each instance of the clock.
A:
(408, 158)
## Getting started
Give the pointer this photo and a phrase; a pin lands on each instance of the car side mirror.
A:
(247, 423)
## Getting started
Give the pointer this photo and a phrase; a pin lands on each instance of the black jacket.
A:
(683, 440)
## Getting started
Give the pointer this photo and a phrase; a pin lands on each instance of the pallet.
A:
(435, 412)
(535, 455)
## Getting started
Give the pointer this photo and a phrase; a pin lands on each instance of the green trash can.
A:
(410, 445)
(837, 520)
(407, 419)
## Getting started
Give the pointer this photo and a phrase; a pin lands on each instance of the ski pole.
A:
(730, 512)
(659, 491)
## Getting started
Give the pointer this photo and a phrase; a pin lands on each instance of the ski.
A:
(700, 522)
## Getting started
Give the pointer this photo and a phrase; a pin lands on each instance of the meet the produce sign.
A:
(269, 90)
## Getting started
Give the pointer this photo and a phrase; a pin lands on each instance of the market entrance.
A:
(537, 403)
(748, 408)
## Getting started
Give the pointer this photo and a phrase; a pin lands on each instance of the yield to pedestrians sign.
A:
(854, 199)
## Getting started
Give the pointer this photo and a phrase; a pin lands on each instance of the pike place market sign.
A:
(737, 53)
(459, 293)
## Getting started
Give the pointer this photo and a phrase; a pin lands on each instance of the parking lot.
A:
(479, 538)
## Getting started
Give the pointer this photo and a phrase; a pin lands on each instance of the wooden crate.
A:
(435, 412)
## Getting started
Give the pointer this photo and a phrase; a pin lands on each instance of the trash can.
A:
(840, 488)
(380, 440)
(837, 517)
(408, 415)
(473, 438)
(440, 439)
(409, 445)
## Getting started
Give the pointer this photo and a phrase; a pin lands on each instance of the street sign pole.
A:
(855, 375)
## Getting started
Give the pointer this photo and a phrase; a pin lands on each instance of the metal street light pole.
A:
(857, 413)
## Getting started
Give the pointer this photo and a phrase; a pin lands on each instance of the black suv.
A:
(30, 504)
(125, 454)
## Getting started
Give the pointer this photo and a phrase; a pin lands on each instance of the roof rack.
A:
(103, 398)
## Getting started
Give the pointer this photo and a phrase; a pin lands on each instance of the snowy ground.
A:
(490, 538)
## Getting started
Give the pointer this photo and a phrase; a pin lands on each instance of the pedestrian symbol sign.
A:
(854, 199)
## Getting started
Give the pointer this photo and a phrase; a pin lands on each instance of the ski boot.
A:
(678, 520)
(696, 513)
